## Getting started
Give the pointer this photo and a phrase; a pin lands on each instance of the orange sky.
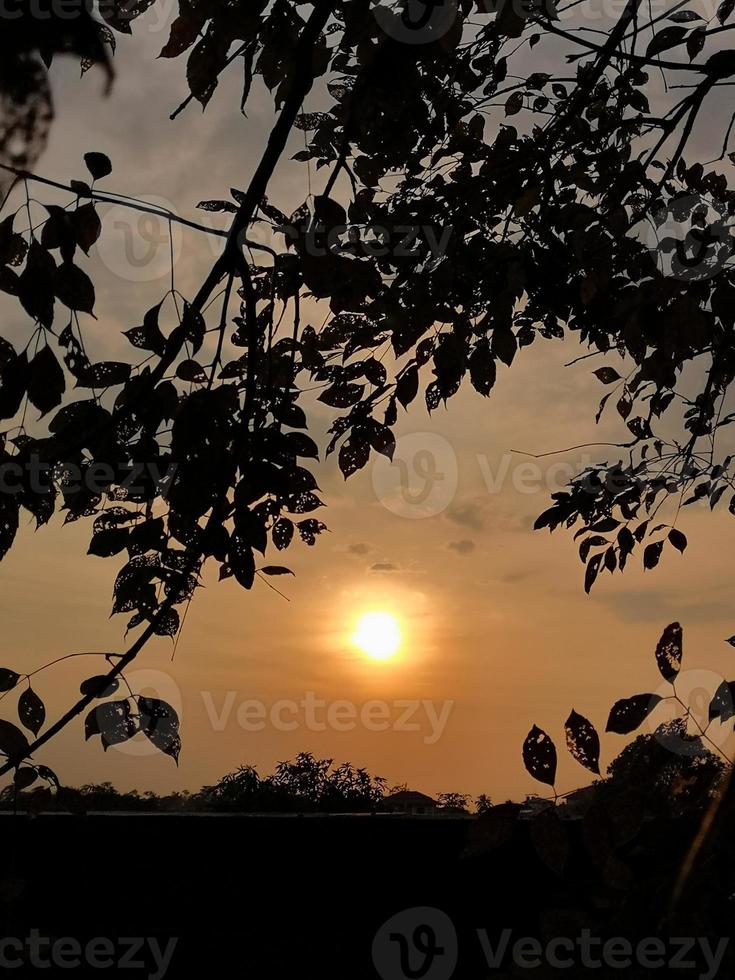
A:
(494, 616)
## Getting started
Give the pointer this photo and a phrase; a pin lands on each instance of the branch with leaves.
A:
(527, 197)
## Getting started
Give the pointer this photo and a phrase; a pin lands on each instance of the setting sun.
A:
(377, 635)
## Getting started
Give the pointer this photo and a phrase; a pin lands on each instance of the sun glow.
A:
(378, 635)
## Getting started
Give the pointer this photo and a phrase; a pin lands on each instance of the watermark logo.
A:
(38, 952)
(416, 944)
(421, 480)
(421, 944)
(424, 718)
(415, 21)
(689, 237)
(694, 694)
(139, 246)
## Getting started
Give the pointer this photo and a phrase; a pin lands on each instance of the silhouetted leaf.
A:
(98, 165)
(218, 206)
(607, 375)
(583, 742)
(190, 370)
(242, 561)
(514, 104)
(99, 686)
(108, 542)
(652, 553)
(353, 455)
(46, 383)
(74, 288)
(667, 38)
(539, 756)
(48, 774)
(160, 724)
(112, 721)
(722, 705)
(86, 226)
(31, 711)
(628, 714)
(12, 740)
(678, 539)
(104, 374)
(724, 11)
(407, 385)
(669, 652)
(25, 777)
(342, 395)
(8, 679)
(14, 380)
(593, 568)
(283, 531)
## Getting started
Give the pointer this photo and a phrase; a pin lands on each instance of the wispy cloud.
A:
(467, 513)
(463, 547)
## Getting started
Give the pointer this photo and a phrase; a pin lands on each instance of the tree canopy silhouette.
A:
(470, 207)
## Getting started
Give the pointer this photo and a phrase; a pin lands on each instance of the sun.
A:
(378, 635)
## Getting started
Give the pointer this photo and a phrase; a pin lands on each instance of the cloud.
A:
(463, 547)
(467, 514)
(385, 566)
(360, 548)
(633, 606)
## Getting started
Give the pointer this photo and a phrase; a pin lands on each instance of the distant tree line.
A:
(307, 784)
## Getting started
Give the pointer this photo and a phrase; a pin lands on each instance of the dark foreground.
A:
(291, 897)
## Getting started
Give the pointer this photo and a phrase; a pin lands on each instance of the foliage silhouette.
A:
(439, 246)
(677, 769)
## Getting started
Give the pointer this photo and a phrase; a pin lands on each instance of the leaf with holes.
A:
(353, 455)
(159, 722)
(8, 679)
(669, 652)
(31, 711)
(583, 742)
(628, 714)
(652, 554)
(113, 721)
(282, 533)
(722, 705)
(539, 756)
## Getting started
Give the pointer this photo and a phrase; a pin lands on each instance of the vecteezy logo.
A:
(421, 479)
(416, 944)
(415, 21)
(140, 246)
(679, 733)
(688, 237)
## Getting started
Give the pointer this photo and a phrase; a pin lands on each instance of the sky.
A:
(497, 633)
